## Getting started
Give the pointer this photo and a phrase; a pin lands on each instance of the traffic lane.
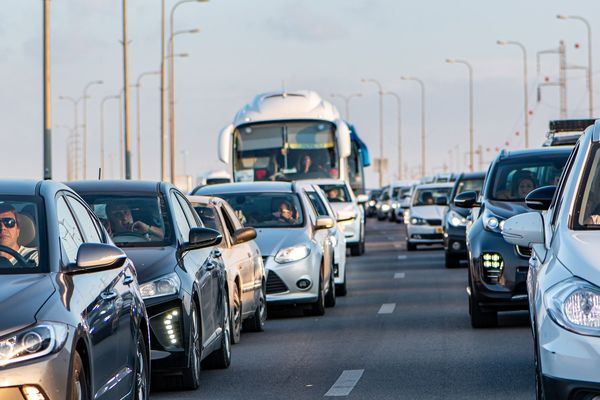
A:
(424, 348)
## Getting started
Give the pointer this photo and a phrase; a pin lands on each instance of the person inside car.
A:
(10, 231)
(121, 221)
(285, 213)
(333, 194)
(523, 183)
(427, 198)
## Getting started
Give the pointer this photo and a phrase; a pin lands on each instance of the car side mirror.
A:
(324, 223)
(524, 230)
(97, 257)
(200, 238)
(362, 198)
(540, 198)
(244, 235)
(441, 201)
(466, 200)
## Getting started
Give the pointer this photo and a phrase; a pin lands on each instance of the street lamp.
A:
(47, 100)
(138, 87)
(471, 135)
(589, 70)
(85, 146)
(423, 145)
(525, 86)
(346, 100)
(171, 85)
(376, 82)
(400, 158)
(104, 100)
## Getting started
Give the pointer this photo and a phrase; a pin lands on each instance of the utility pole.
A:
(127, 132)
(163, 99)
(381, 162)
(562, 77)
(47, 102)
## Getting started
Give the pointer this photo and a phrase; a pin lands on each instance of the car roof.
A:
(471, 175)
(108, 186)
(436, 185)
(321, 181)
(246, 187)
(540, 151)
(19, 187)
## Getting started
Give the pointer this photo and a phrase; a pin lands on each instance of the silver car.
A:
(293, 239)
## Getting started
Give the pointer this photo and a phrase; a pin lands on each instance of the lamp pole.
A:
(85, 146)
(589, 69)
(47, 102)
(400, 158)
(346, 100)
(163, 96)
(525, 85)
(376, 82)
(138, 87)
(104, 100)
(127, 125)
(423, 144)
(471, 134)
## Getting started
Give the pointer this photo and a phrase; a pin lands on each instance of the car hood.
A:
(506, 209)
(271, 240)
(21, 297)
(428, 212)
(152, 262)
(579, 252)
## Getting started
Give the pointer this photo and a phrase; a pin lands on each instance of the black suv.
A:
(497, 269)
(455, 220)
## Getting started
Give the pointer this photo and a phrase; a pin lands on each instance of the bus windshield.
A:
(285, 151)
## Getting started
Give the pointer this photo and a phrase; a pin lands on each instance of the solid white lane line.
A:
(387, 308)
(399, 275)
(345, 383)
(402, 257)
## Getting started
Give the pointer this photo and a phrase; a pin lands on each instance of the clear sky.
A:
(246, 47)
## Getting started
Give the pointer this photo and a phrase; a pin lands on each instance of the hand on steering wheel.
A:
(21, 261)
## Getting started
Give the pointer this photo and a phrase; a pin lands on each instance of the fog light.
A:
(303, 284)
(32, 393)
(493, 265)
(456, 246)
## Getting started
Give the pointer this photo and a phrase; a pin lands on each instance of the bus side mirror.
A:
(343, 136)
(225, 138)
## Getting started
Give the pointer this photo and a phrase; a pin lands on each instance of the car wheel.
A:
(191, 374)
(221, 358)
(355, 249)
(410, 246)
(479, 318)
(236, 316)
(79, 386)
(142, 387)
(452, 261)
(341, 289)
(318, 308)
(330, 296)
(256, 323)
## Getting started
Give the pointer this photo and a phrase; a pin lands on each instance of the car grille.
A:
(275, 284)
(434, 222)
(523, 251)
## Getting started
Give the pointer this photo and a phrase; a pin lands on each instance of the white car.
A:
(349, 210)
(563, 280)
(424, 217)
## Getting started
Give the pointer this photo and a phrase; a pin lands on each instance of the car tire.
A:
(256, 323)
(539, 383)
(341, 289)
(78, 377)
(452, 261)
(221, 358)
(142, 377)
(410, 246)
(235, 319)
(355, 249)
(481, 319)
(190, 379)
(330, 296)
(318, 308)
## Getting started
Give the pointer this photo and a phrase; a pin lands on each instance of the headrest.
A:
(27, 227)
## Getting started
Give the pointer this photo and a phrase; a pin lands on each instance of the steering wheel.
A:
(130, 236)
(21, 261)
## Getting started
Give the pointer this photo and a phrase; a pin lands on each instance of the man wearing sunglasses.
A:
(9, 236)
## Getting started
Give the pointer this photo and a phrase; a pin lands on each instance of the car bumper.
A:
(49, 374)
(454, 240)
(282, 280)
(425, 234)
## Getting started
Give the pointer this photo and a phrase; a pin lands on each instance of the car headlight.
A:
(292, 254)
(394, 205)
(455, 219)
(574, 304)
(493, 223)
(417, 221)
(385, 207)
(163, 286)
(371, 203)
(33, 342)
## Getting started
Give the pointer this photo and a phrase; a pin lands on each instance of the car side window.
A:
(237, 224)
(90, 229)
(70, 237)
(558, 196)
(187, 209)
(180, 220)
(230, 228)
(317, 203)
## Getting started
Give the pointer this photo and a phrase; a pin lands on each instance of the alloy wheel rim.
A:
(226, 329)
(237, 315)
(141, 376)
(262, 307)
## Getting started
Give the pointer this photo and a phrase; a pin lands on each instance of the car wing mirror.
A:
(200, 238)
(243, 235)
(540, 198)
(524, 230)
(97, 257)
(466, 200)
(324, 223)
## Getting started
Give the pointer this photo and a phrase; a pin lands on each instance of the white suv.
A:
(563, 282)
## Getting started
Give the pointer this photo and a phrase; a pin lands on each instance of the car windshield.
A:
(266, 210)
(374, 195)
(513, 179)
(469, 185)
(20, 235)
(336, 193)
(587, 211)
(133, 220)
(429, 196)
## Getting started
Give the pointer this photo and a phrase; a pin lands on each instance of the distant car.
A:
(444, 177)
(394, 191)
(455, 220)
(402, 201)
(246, 279)
(563, 283)
(424, 217)
(497, 269)
(180, 270)
(383, 206)
(293, 240)
(73, 317)
(372, 197)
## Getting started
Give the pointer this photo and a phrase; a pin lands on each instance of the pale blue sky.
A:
(247, 47)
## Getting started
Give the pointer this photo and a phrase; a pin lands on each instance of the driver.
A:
(285, 213)
(9, 236)
(121, 221)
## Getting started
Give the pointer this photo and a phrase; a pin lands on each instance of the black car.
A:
(497, 269)
(73, 324)
(455, 220)
(181, 274)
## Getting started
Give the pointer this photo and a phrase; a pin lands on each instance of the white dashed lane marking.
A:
(387, 308)
(345, 383)
(402, 257)
(399, 275)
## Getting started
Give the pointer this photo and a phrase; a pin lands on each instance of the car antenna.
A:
(100, 173)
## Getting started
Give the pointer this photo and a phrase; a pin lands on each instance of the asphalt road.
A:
(402, 332)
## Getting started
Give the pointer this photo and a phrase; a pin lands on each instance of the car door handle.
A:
(216, 253)
(128, 279)
(108, 296)
(210, 265)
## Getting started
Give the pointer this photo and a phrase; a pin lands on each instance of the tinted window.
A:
(87, 224)
(181, 223)
(428, 196)
(187, 210)
(209, 217)
(469, 185)
(336, 193)
(317, 203)
(70, 237)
